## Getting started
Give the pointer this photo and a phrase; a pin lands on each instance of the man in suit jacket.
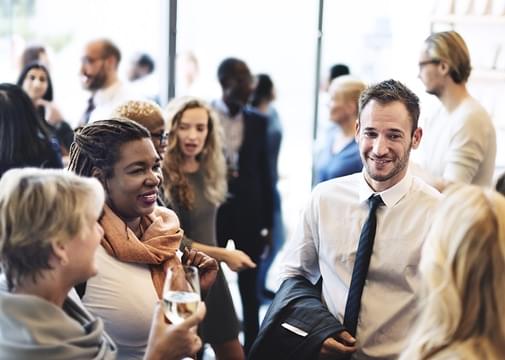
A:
(246, 216)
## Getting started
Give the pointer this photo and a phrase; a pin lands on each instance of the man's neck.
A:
(349, 127)
(453, 95)
(111, 80)
(233, 107)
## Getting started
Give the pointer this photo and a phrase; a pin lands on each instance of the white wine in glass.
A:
(181, 293)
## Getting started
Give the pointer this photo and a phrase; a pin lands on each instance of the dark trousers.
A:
(247, 280)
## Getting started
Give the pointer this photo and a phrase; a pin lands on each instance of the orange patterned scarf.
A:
(160, 240)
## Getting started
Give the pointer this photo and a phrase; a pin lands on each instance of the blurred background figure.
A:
(460, 141)
(462, 308)
(142, 65)
(99, 75)
(142, 77)
(247, 214)
(335, 71)
(150, 115)
(194, 172)
(263, 96)
(34, 53)
(24, 137)
(36, 82)
(339, 156)
(323, 126)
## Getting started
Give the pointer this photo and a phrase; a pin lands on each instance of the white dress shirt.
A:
(233, 127)
(108, 99)
(326, 241)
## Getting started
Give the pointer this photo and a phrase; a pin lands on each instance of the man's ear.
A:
(356, 136)
(444, 67)
(111, 63)
(416, 137)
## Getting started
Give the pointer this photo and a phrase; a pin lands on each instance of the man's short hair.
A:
(110, 49)
(450, 47)
(338, 70)
(227, 70)
(389, 91)
(144, 60)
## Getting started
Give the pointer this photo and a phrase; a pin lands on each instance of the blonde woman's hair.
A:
(450, 47)
(40, 207)
(347, 87)
(211, 158)
(463, 267)
(146, 113)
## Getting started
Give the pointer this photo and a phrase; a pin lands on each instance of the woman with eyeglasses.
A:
(195, 184)
(150, 115)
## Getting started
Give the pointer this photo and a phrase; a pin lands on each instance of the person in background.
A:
(194, 173)
(49, 232)
(460, 141)
(141, 66)
(500, 184)
(261, 99)
(24, 137)
(340, 155)
(462, 309)
(323, 125)
(149, 115)
(36, 82)
(334, 72)
(141, 77)
(247, 214)
(140, 239)
(99, 75)
(34, 53)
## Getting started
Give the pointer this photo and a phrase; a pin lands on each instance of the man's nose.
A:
(380, 146)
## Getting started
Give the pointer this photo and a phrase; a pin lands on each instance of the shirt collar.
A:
(389, 196)
(222, 108)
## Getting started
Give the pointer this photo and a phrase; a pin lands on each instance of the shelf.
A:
(469, 19)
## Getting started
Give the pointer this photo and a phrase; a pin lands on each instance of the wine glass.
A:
(181, 293)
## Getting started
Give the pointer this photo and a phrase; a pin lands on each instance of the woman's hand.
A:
(53, 115)
(173, 342)
(238, 260)
(207, 267)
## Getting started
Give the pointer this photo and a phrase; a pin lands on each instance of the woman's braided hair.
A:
(97, 144)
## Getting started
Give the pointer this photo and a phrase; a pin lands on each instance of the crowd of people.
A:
(391, 259)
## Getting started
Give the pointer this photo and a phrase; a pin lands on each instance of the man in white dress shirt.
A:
(99, 65)
(326, 240)
(460, 141)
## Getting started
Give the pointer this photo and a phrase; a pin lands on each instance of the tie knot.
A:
(375, 201)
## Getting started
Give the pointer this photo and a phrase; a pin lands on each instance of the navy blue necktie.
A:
(87, 114)
(360, 269)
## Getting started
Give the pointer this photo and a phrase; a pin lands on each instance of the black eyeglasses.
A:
(162, 136)
(427, 62)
